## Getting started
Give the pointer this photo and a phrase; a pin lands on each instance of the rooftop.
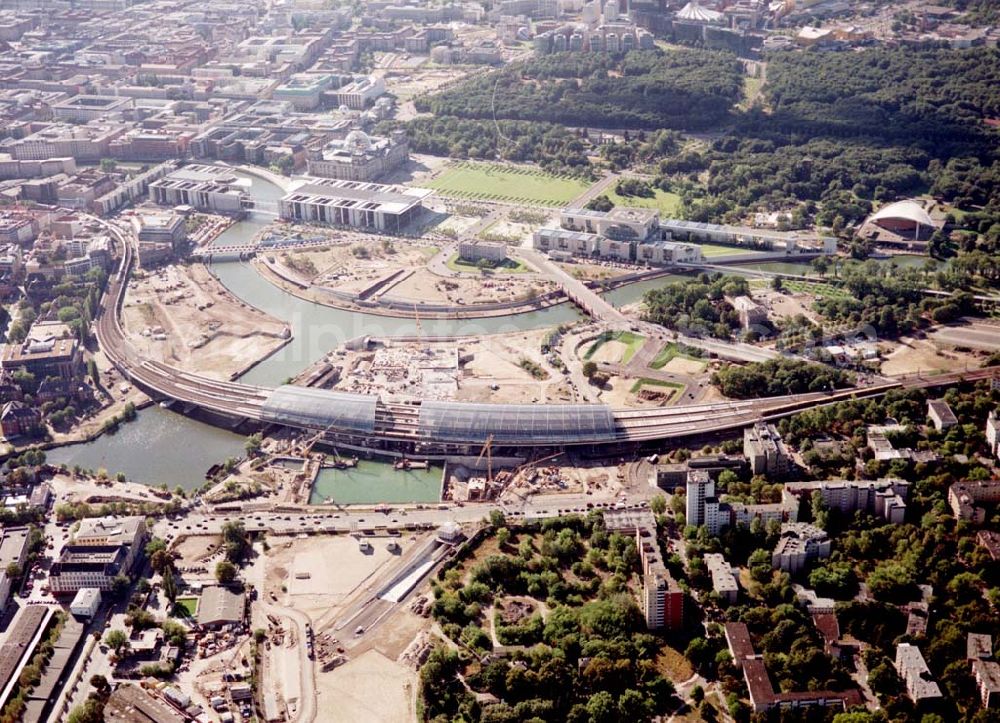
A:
(220, 605)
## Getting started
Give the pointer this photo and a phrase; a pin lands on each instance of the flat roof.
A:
(372, 196)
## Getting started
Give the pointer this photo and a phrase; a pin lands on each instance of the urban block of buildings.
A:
(102, 549)
(885, 498)
(661, 598)
(763, 696)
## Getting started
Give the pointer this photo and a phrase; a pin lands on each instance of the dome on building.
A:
(695, 12)
(358, 142)
(905, 211)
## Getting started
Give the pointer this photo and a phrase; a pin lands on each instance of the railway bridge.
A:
(441, 427)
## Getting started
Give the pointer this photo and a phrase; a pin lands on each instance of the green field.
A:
(668, 203)
(507, 184)
(632, 342)
(507, 266)
(186, 607)
(670, 351)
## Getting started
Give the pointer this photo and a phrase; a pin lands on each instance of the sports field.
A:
(506, 184)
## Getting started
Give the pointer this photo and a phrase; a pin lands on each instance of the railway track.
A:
(401, 422)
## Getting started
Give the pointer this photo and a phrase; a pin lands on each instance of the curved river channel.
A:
(163, 447)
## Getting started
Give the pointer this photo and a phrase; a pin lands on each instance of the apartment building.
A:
(987, 676)
(661, 598)
(763, 697)
(724, 582)
(940, 414)
(993, 434)
(916, 676)
(799, 544)
(967, 499)
(765, 450)
(885, 498)
(701, 505)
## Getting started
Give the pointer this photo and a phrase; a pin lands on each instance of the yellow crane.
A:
(488, 451)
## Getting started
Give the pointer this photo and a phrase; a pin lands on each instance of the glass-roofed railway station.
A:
(428, 426)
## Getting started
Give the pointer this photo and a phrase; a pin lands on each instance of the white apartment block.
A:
(799, 544)
(723, 578)
(913, 670)
(993, 434)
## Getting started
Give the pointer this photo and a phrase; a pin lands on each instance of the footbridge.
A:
(429, 427)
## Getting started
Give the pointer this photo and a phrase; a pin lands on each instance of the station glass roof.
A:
(537, 423)
(320, 409)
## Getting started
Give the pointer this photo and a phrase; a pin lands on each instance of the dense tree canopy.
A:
(684, 89)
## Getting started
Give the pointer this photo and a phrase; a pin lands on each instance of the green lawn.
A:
(186, 607)
(668, 203)
(670, 351)
(507, 183)
(632, 342)
(508, 266)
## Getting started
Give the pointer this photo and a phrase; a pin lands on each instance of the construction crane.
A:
(416, 314)
(488, 451)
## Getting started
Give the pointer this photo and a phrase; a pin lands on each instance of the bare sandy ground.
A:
(679, 365)
(335, 566)
(370, 688)
(610, 352)
(784, 305)
(183, 316)
(921, 355)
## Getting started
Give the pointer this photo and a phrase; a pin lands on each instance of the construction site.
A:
(182, 315)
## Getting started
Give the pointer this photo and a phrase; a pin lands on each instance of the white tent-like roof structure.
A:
(906, 210)
(694, 11)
